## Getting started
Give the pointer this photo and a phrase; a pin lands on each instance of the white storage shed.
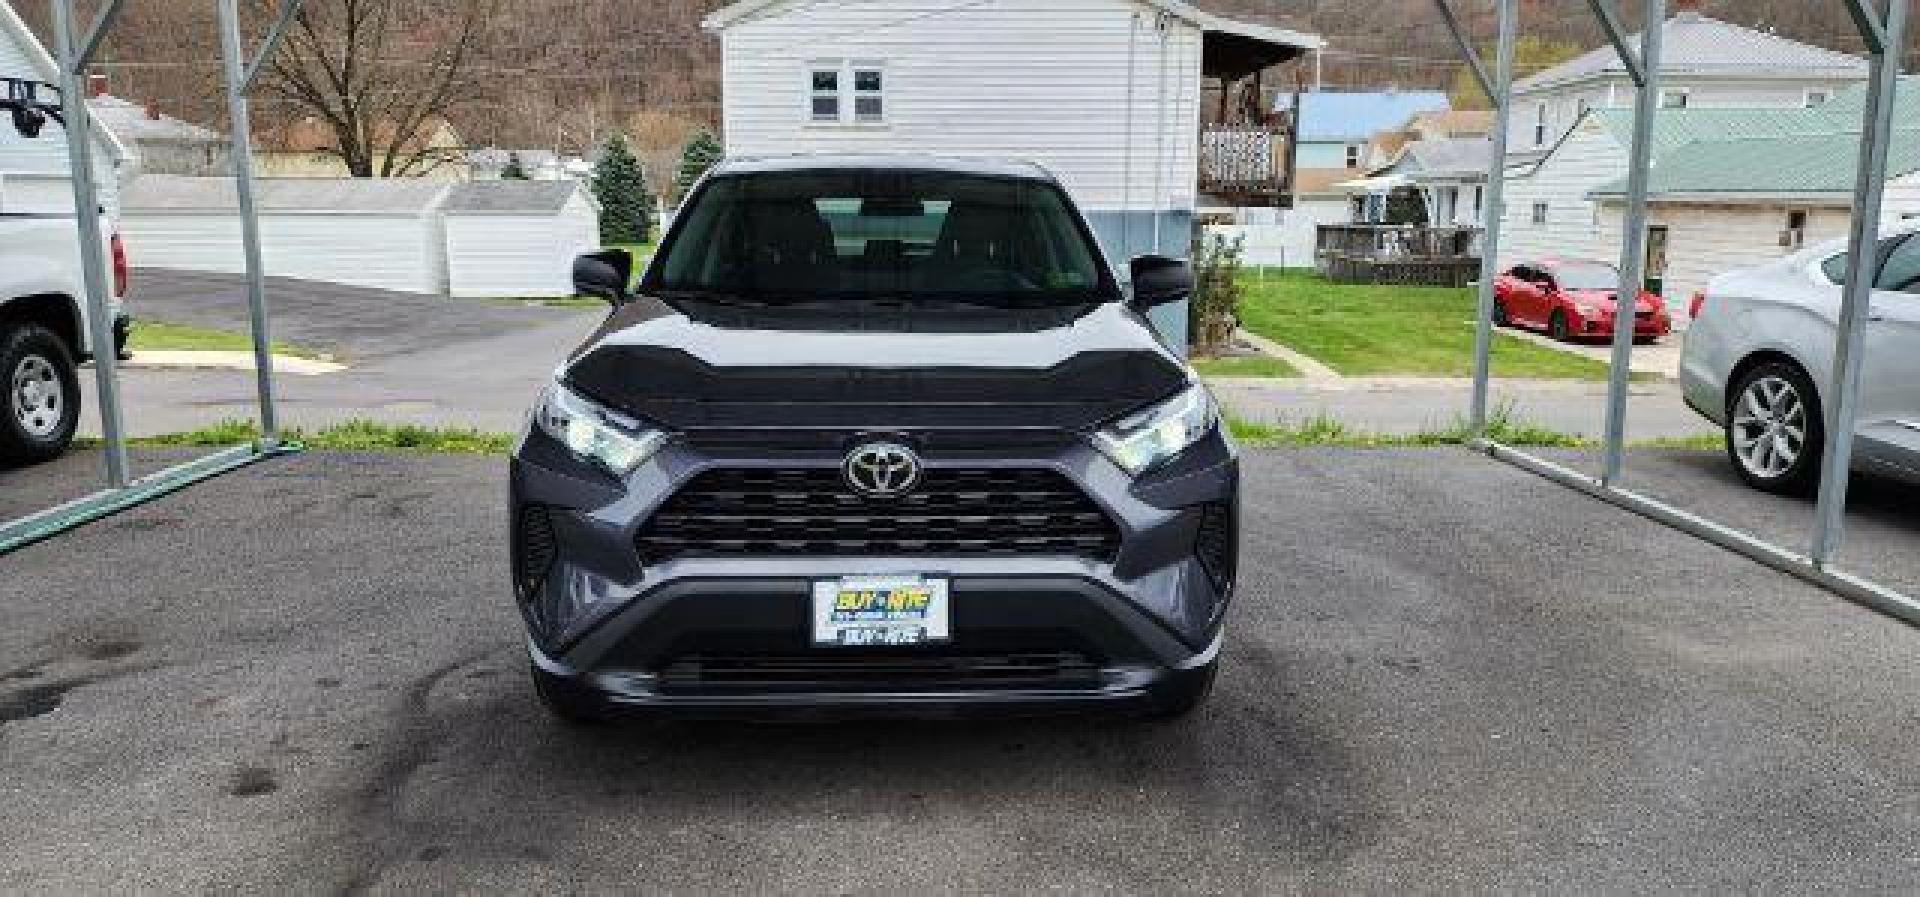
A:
(517, 238)
(385, 234)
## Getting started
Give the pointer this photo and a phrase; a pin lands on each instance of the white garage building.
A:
(517, 238)
(480, 239)
(383, 234)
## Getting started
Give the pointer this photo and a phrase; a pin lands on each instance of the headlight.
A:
(596, 433)
(1143, 439)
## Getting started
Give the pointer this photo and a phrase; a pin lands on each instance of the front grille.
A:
(952, 512)
(804, 672)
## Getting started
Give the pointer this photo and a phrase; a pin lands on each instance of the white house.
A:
(1705, 64)
(1105, 93)
(34, 173)
(1720, 204)
(517, 238)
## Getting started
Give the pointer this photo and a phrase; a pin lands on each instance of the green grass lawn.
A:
(1244, 366)
(160, 336)
(1362, 330)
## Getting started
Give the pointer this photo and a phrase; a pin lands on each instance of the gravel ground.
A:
(1443, 675)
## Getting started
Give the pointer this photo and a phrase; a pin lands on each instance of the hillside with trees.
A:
(567, 73)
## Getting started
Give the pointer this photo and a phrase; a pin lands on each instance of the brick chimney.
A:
(1687, 9)
(153, 112)
(96, 85)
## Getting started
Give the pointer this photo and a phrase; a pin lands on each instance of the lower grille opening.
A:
(1215, 546)
(536, 549)
(878, 672)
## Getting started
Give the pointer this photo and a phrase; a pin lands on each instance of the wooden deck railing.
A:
(1243, 160)
(1404, 254)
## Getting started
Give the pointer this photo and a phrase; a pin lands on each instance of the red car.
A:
(1572, 300)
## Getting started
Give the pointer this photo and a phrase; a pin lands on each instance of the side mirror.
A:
(604, 275)
(1158, 280)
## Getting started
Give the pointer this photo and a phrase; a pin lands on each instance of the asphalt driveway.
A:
(412, 359)
(1444, 675)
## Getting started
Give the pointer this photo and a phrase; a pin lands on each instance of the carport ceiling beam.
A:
(1617, 35)
(1468, 51)
(288, 12)
(1873, 26)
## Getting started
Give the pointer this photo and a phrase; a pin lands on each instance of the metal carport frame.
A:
(74, 53)
(1884, 32)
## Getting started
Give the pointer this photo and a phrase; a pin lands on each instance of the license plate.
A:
(870, 611)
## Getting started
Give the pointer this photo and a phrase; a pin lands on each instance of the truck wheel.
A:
(39, 395)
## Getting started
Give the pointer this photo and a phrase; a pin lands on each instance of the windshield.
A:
(893, 235)
(1587, 277)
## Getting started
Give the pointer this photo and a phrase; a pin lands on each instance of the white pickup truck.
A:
(44, 332)
(44, 335)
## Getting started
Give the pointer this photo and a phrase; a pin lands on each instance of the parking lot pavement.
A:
(1444, 674)
(1404, 406)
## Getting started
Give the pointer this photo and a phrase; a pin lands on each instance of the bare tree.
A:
(379, 77)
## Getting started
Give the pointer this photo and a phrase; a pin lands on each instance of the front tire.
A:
(1557, 327)
(1775, 430)
(1184, 695)
(1501, 318)
(40, 405)
(564, 702)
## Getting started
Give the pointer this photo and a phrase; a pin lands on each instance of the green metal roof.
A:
(1797, 164)
(1766, 151)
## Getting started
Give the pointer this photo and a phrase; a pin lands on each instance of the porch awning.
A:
(1385, 183)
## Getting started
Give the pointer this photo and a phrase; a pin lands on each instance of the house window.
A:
(825, 94)
(1540, 213)
(1674, 99)
(1816, 98)
(1540, 125)
(1795, 236)
(1584, 106)
(869, 95)
(1353, 155)
(1479, 202)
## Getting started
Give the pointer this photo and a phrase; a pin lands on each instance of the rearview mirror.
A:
(1158, 280)
(604, 275)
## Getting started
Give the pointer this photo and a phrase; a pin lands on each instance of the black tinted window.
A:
(810, 235)
(1901, 271)
(1835, 267)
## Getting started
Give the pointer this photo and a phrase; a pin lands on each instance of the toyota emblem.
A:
(882, 469)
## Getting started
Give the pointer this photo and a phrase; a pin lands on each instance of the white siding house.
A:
(1105, 93)
(517, 238)
(34, 174)
(1706, 64)
(385, 234)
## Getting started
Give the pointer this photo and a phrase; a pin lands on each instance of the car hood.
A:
(864, 368)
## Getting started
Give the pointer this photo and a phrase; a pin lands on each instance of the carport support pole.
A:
(78, 124)
(241, 127)
(1886, 37)
(1645, 70)
(1499, 90)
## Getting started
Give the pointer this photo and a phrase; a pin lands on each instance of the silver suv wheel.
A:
(39, 397)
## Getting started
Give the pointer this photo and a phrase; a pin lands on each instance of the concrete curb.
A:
(227, 361)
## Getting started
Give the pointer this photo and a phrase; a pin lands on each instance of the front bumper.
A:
(730, 635)
(1655, 327)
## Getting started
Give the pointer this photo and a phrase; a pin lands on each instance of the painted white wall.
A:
(1281, 238)
(1589, 158)
(388, 252)
(1046, 82)
(1705, 241)
(493, 256)
(1902, 202)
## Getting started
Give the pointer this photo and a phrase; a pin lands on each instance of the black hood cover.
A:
(869, 369)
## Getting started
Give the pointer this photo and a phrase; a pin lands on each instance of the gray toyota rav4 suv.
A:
(875, 434)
